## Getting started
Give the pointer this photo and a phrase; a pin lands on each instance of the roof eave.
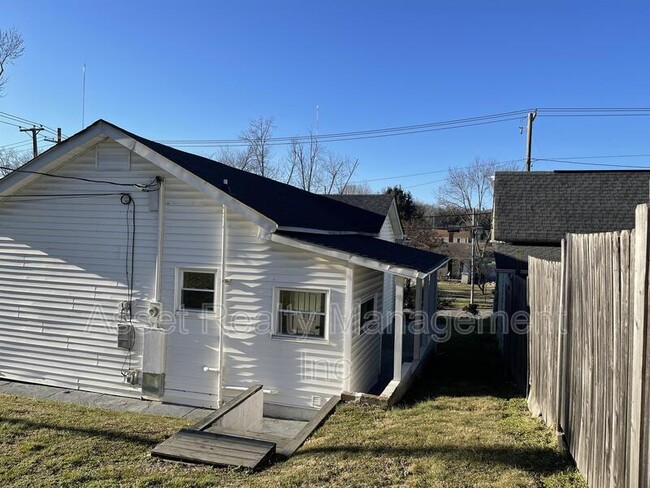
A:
(351, 258)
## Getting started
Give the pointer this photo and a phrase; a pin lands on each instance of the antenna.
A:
(317, 117)
(83, 98)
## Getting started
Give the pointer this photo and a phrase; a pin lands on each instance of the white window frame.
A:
(372, 296)
(98, 150)
(275, 321)
(178, 299)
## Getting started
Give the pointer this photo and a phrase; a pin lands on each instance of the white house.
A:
(131, 268)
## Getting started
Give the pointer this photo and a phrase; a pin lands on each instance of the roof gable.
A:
(267, 202)
(541, 207)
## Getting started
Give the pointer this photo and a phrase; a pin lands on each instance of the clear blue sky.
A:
(202, 70)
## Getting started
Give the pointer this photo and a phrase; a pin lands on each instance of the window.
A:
(367, 315)
(197, 290)
(302, 313)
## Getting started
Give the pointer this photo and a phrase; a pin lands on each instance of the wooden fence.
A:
(589, 362)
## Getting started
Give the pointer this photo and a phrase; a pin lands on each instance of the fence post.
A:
(637, 458)
(560, 380)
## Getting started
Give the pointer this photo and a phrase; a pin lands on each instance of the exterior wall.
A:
(366, 347)
(62, 279)
(388, 233)
(296, 369)
(62, 267)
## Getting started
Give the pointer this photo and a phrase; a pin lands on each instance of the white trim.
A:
(361, 301)
(347, 327)
(51, 159)
(189, 178)
(275, 325)
(354, 259)
(178, 288)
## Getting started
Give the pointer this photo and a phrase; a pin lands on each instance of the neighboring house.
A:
(132, 268)
(533, 211)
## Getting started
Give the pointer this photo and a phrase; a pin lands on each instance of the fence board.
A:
(589, 358)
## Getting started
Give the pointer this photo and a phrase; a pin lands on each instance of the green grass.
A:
(458, 294)
(462, 425)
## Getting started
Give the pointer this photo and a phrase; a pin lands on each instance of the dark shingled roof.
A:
(541, 207)
(286, 205)
(377, 249)
(379, 204)
(512, 257)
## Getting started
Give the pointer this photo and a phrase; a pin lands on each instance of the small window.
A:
(197, 291)
(302, 313)
(367, 315)
(113, 157)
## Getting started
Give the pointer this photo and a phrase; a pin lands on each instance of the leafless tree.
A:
(304, 164)
(467, 190)
(237, 158)
(11, 48)
(337, 172)
(11, 159)
(361, 188)
(257, 137)
(311, 167)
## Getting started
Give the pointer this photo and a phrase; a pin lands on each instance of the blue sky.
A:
(202, 70)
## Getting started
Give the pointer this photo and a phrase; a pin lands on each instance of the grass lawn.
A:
(462, 425)
(458, 294)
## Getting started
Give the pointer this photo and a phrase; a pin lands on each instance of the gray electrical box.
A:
(125, 336)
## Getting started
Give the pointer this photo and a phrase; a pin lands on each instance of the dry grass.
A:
(467, 429)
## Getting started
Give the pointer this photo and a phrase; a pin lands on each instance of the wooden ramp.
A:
(224, 438)
(198, 446)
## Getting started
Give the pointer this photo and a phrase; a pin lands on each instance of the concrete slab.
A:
(282, 427)
(77, 397)
(198, 414)
(168, 409)
(28, 390)
(100, 400)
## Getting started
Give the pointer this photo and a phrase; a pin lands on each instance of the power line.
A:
(151, 186)
(583, 163)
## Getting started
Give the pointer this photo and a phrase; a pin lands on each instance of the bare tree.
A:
(361, 188)
(311, 167)
(11, 48)
(469, 190)
(257, 137)
(11, 159)
(304, 164)
(237, 158)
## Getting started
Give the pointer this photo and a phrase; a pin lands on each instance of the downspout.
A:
(222, 301)
(161, 231)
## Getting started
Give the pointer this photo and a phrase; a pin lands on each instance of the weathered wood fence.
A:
(589, 362)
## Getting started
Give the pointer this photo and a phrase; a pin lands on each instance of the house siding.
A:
(62, 273)
(366, 346)
(63, 277)
(387, 233)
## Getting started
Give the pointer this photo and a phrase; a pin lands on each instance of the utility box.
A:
(153, 362)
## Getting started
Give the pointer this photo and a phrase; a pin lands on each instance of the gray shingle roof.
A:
(370, 247)
(508, 256)
(541, 207)
(379, 203)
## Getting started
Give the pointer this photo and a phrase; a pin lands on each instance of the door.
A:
(192, 359)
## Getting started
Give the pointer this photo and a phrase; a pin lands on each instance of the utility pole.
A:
(34, 130)
(529, 138)
(58, 137)
(471, 266)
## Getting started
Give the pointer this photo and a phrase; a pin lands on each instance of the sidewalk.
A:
(100, 400)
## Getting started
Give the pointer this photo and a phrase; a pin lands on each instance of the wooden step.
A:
(196, 446)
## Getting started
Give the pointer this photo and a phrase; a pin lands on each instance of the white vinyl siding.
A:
(366, 347)
(111, 156)
(61, 259)
(62, 279)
